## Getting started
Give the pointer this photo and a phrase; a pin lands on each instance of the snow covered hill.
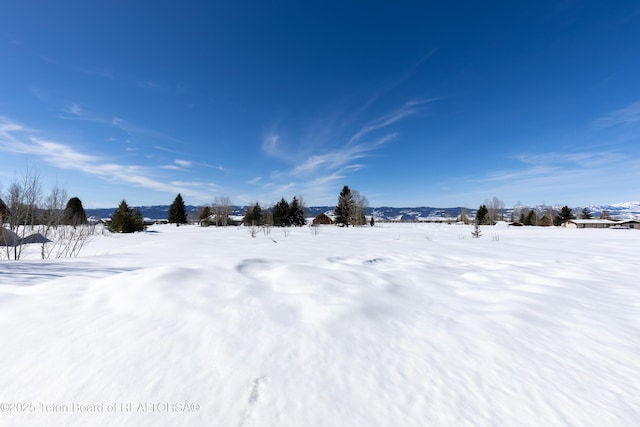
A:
(393, 325)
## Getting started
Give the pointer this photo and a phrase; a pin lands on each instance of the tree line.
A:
(492, 211)
(350, 211)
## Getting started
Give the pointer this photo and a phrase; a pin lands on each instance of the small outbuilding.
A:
(322, 219)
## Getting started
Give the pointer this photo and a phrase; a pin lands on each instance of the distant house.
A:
(322, 219)
(4, 211)
(589, 223)
(631, 223)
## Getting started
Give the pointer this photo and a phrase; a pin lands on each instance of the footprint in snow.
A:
(253, 398)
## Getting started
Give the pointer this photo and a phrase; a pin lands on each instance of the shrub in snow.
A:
(476, 233)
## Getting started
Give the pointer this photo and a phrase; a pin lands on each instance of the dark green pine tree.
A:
(205, 215)
(280, 213)
(531, 218)
(585, 214)
(177, 211)
(345, 208)
(254, 216)
(126, 219)
(296, 213)
(482, 215)
(74, 213)
(565, 215)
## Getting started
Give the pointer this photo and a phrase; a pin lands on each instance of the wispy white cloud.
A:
(577, 177)
(628, 115)
(180, 164)
(207, 165)
(581, 159)
(340, 157)
(103, 72)
(134, 130)
(166, 150)
(270, 144)
(408, 109)
(15, 138)
(75, 111)
(329, 153)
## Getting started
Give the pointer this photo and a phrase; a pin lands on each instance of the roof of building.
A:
(593, 221)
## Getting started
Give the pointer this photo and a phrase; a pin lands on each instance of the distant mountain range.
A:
(626, 210)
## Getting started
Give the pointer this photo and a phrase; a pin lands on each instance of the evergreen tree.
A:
(205, 215)
(586, 214)
(482, 214)
(177, 211)
(564, 215)
(476, 233)
(254, 215)
(531, 218)
(345, 208)
(280, 213)
(296, 213)
(74, 213)
(126, 219)
(372, 222)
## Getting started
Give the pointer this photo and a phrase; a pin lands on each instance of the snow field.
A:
(400, 324)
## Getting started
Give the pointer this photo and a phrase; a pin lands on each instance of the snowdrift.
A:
(404, 325)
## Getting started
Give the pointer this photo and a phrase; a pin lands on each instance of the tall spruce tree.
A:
(126, 219)
(74, 213)
(296, 213)
(345, 208)
(177, 211)
(254, 216)
(532, 218)
(565, 214)
(280, 213)
(482, 215)
(586, 214)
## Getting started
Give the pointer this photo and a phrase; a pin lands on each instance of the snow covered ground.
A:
(396, 325)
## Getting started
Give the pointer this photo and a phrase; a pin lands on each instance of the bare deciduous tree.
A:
(22, 198)
(51, 217)
(360, 205)
(35, 220)
(222, 210)
(496, 210)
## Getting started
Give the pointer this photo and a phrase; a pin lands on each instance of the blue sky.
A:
(411, 103)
